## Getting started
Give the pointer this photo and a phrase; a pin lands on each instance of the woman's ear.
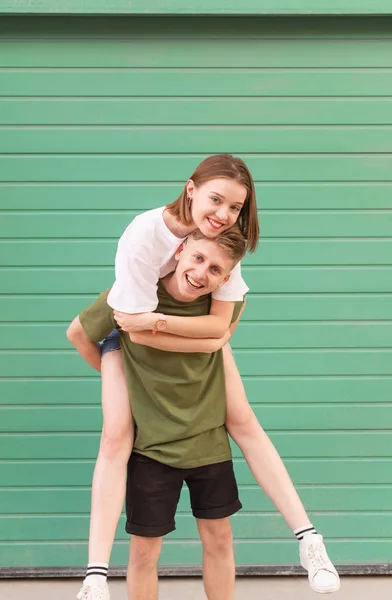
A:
(190, 187)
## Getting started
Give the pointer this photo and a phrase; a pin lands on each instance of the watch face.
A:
(160, 325)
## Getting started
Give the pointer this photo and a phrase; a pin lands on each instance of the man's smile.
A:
(192, 282)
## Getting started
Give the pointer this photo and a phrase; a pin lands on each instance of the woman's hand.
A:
(135, 322)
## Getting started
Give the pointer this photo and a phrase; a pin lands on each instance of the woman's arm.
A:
(177, 343)
(214, 325)
(221, 314)
(135, 322)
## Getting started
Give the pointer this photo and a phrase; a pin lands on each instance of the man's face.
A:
(203, 266)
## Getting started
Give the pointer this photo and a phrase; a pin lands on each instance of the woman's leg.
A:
(109, 480)
(261, 455)
(270, 473)
(108, 490)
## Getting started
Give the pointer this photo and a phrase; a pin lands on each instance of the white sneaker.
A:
(322, 575)
(94, 590)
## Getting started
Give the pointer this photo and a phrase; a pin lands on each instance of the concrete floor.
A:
(260, 588)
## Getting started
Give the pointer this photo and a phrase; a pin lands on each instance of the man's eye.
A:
(215, 270)
(197, 257)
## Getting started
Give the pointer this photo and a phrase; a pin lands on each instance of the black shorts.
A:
(153, 492)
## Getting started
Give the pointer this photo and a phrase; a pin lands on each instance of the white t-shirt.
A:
(145, 254)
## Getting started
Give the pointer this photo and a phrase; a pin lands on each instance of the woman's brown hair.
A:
(227, 167)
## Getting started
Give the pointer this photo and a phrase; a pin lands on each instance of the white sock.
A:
(307, 530)
(96, 573)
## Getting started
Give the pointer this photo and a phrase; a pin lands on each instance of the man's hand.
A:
(135, 322)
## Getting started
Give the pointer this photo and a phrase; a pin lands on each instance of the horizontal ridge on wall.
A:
(201, 7)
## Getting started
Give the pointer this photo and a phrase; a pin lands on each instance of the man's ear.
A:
(179, 251)
(225, 280)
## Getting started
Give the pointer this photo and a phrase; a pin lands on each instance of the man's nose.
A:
(202, 272)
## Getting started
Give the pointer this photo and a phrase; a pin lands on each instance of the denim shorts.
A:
(111, 343)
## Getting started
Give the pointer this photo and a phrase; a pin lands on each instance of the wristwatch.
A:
(160, 323)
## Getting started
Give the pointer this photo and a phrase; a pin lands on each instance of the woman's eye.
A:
(236, 209)
(214, 199)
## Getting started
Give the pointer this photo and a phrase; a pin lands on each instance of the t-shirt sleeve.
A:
(234, 289)
(97, 319)
(237, 308)
(137, 272)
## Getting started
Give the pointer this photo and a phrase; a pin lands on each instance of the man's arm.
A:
(87, 349)
(92, 325)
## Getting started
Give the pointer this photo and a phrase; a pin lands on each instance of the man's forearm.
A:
(87, 349)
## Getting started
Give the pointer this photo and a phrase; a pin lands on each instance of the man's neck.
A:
(170, 284)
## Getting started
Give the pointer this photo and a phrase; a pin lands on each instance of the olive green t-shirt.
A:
(178, 400)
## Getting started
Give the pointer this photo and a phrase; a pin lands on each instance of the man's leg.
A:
(214, 498)
(142, 574)
(218, 558)
(153, 491)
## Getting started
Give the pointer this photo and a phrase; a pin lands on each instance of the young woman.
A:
(218, 194)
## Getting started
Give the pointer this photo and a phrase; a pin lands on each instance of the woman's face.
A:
(216, 204)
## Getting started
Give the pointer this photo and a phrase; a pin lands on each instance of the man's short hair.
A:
(231, 241)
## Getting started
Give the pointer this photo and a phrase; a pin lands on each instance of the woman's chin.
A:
(210, 231)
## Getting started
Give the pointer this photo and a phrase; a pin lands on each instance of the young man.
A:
(179, 408)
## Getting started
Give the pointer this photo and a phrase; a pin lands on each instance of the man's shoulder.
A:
(97, 318)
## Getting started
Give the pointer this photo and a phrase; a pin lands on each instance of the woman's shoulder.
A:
(144, 225)
(148, 219)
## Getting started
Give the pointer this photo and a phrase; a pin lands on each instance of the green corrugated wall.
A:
(101, 119)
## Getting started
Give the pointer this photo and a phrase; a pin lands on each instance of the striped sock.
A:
(301, 531)
(97, 571)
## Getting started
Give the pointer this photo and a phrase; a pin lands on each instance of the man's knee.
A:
(216, 535)
(144, 552)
